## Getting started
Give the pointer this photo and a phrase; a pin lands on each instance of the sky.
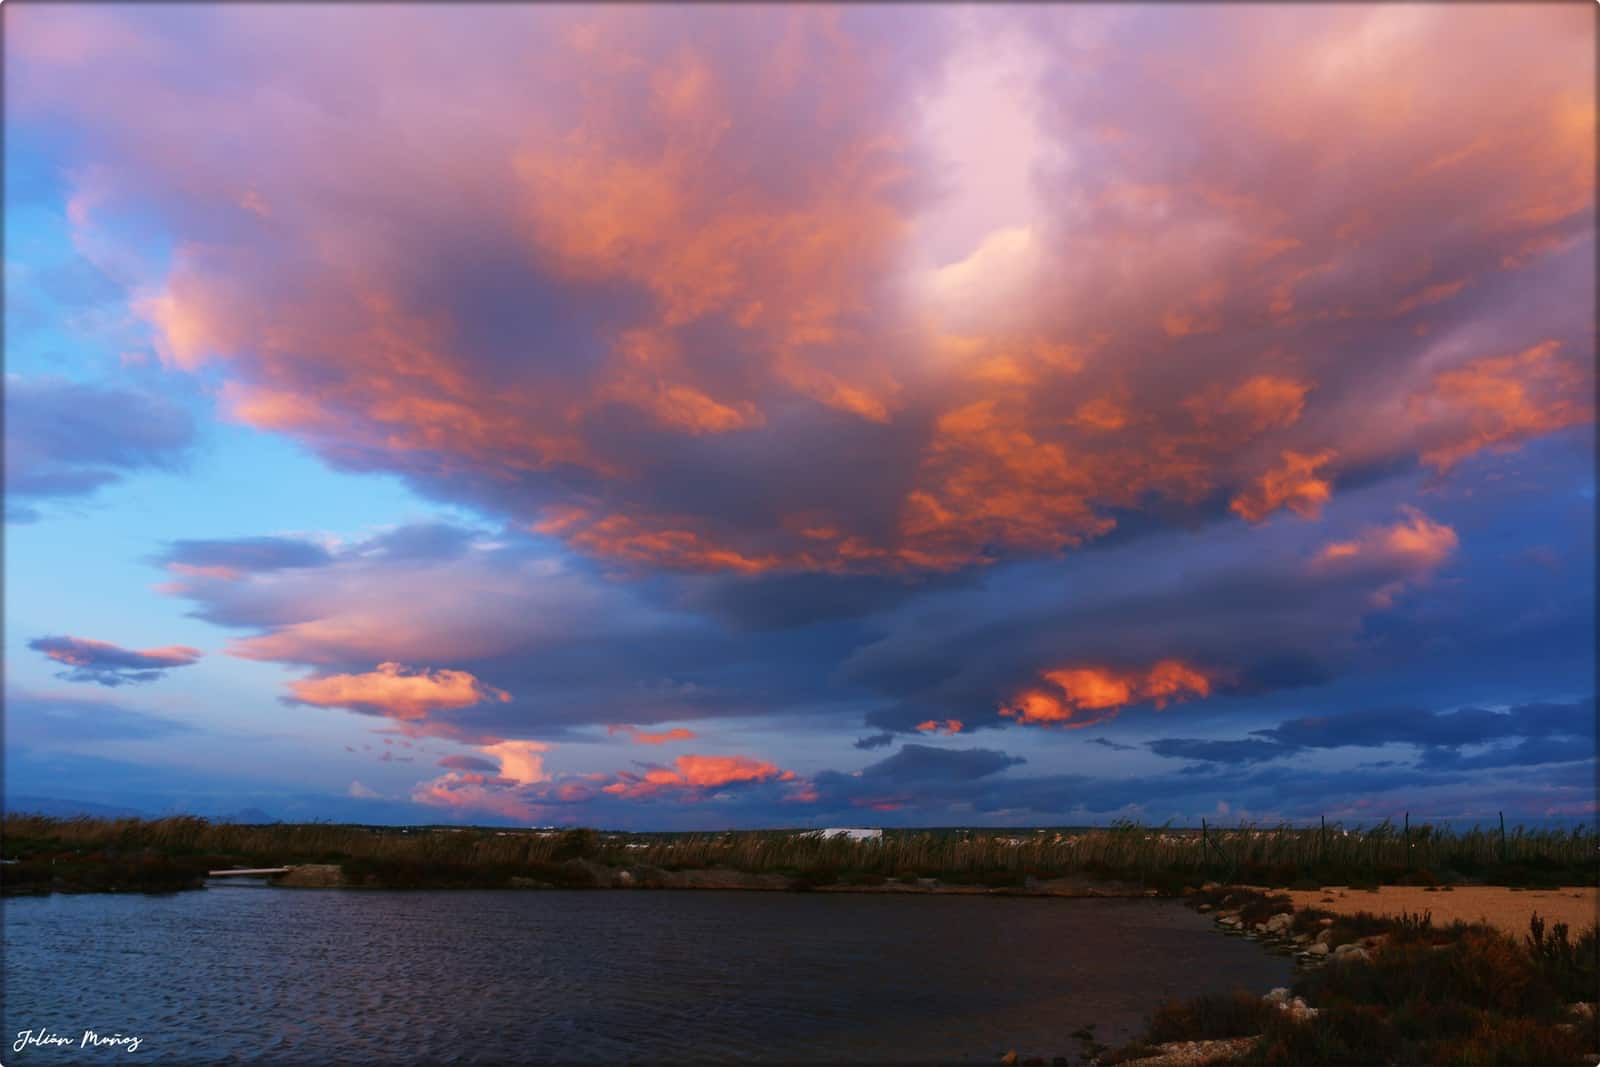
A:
(661, 417)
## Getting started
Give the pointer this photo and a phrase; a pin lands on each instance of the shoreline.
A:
(1393, 979)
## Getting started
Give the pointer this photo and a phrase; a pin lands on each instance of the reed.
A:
(1157, 856)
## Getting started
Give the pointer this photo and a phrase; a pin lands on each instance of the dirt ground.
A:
(1507, 909)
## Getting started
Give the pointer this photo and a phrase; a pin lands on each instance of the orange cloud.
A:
(934, 726)
(1411, 549)
(689, 774)
(1497, 402)
(397, 691)
(640, 737)
(1293, 484)
(1083, 696)
(580, 315)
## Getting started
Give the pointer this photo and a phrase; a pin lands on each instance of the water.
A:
(323, 976)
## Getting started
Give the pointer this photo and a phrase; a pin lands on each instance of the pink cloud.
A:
(683, 291)
(1407, 552)
(396, 691)
(641, 737)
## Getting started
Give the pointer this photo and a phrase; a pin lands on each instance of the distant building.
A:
(852, 832)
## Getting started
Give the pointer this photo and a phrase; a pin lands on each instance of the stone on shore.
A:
(1345, 953)
(1195, 1053)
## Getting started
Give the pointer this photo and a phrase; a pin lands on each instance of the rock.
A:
(1280, 923)
(1299, 1010)
(1582, 1010)
(1324, 922)
(1202, 909)
(1351, 952)
(1325, 937)
(1009, 1058)
(1302, 939)
(1318, 949)
(1277, 996)
(1209, 887)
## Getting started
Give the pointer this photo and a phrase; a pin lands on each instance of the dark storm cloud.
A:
(872, 741)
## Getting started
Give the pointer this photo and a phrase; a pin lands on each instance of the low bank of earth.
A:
(1470, 974)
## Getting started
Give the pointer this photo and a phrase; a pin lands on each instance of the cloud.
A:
(523, 791)
(1292, 484)
(872, 741)
(642, 737)
(358, 790)
(934, 726)
(1230, 752)
(520, 762)
(231, 559)
(1083, 696)
(1499, 402)
(1447, 729)
(652, 287)
(106, 664)
(396, 691)
(691, 775)
(68, 439)
(468, 763)
(1537, 734)
(51, 720)
(917, 776)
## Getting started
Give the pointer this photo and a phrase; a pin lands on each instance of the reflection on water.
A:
(311, 976)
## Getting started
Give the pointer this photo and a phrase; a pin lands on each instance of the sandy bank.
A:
(1506, 909)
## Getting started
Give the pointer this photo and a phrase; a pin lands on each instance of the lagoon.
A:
(275, 975)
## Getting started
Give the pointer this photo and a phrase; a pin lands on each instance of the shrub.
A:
(1215, 1015)
(577, 844)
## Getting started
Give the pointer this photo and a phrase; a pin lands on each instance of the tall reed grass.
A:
(1161, 856)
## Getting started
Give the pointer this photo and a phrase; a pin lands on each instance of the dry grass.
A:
(1507, 910)
(1155, 857)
